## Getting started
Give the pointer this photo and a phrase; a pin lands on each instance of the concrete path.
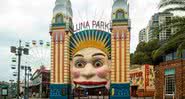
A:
(142, 98)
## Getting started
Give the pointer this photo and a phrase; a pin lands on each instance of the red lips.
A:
(91, 83)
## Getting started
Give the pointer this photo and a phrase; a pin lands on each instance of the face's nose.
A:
(88, 72)
(88, 76)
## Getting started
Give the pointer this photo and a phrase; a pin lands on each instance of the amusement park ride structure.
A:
(62, 34)
(33, 55)
(39, 55)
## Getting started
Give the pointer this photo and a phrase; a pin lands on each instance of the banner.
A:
(147, 74)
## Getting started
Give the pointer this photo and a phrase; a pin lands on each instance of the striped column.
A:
(120, 54)
(60, 57)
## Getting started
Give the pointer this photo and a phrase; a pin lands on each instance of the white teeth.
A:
(93, 86)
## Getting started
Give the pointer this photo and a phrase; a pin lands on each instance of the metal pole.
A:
(41, 86)
(11, 88)
(19, 62)
(28, 83)
(25, 82)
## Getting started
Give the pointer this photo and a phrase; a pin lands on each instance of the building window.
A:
(169, 57)
(175, 55)
(170, 81)
(120, 14)
(183, 54)
(59, 18)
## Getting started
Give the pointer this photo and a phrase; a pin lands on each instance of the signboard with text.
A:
(98, 25)
(147, 73)
(4, 92)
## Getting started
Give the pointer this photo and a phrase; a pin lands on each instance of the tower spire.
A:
(62, 12)
(120, 9)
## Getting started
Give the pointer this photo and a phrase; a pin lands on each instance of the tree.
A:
(172, 5)
(176, 41)
(141, 47)
(144, 51)
(131, 58)
(139, 58)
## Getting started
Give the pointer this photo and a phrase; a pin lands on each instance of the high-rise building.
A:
(156, 21)
(153, 24)
(165, 33)
(142, 36)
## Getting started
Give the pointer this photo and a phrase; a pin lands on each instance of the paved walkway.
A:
(101, 98)
(142, 98)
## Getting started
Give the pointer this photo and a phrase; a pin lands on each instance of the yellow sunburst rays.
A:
(86, 36)
(105, 41)
(98, 38)
(79, 38)
(95, 35)
(76, 43)
(90, 38)
(83, 37)
(101, 39)
(89, 35)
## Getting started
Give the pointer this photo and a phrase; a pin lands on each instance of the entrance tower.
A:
(61, 29)
(120, 43)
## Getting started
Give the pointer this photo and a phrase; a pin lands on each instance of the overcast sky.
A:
(30, 19)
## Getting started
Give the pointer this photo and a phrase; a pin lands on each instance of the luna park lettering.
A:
(99, 25)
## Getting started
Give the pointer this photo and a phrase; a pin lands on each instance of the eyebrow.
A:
(78, 55)
(97, 54)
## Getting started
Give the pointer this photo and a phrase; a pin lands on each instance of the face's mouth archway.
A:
(90, 83)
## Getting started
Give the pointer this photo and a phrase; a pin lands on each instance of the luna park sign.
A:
(98, 25)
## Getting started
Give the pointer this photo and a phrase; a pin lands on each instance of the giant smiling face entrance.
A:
(90, 63)
(90, 69)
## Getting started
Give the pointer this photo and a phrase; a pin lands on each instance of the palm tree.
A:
(176, 41)
(172, 5)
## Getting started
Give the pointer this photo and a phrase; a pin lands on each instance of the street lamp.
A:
(18, 51)
(29, 74)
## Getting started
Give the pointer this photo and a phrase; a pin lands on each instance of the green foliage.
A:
(141, 47)
(131, 58)
(144, 51)
(138, 58)
(176, 41)
(151, 52)
(172, 5)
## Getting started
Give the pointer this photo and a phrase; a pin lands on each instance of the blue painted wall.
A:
(120, 91)
(63, 91)
(60, 91)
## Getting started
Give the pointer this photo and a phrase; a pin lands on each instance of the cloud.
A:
(30, 20)
(91, 10)
(22, 19)
(140, 14)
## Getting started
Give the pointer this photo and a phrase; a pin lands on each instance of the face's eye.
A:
(80, 64)
(98, 63)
